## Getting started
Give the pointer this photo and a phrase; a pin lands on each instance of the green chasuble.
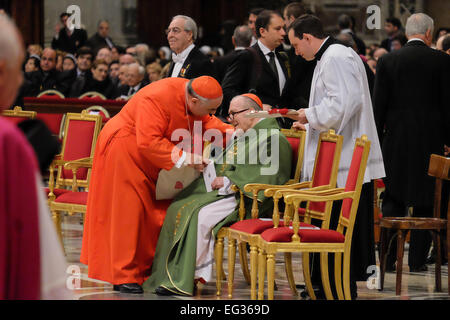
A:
(175, 257)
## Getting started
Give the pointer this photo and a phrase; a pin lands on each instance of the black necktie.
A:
(132, 91)
(273, 66)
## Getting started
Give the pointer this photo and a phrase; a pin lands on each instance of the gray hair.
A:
(189, 25)
(141, 69)
(10, 41)
(418, 23)
(242, 36)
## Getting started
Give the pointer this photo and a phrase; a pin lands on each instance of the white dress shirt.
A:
(281, 76)
(179, 59)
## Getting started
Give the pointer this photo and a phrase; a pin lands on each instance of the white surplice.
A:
(340, 100)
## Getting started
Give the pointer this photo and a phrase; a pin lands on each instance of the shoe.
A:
(161, 291)
(320, 295)
(133, 288)
(390, 267)
(418, 269)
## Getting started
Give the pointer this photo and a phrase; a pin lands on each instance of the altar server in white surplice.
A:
(340, 100)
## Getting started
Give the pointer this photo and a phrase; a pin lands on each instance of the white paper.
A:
(209, 174)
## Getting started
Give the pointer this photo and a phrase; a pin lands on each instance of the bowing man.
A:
(123, 218)
(340, 100)
(185, 250)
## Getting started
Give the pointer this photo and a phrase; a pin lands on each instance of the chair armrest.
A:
(269, 192)
(74, 166)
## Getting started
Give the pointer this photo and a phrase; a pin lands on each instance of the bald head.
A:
(11, 58)
(48, 60)
(126, 59)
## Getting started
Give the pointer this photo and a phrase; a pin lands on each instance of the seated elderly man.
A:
(259, 154)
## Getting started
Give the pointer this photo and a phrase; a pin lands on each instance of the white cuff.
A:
(226, 189)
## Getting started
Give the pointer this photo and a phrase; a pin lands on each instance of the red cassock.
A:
(123, 218)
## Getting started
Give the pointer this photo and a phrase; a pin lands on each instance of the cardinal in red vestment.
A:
(123, 218)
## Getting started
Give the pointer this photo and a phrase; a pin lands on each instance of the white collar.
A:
(264, 49)
(415, 39)
(239, 48)
(179, 58)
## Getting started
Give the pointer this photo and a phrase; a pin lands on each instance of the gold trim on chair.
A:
(100, 109)
(91, 94)
(18, 112)
(51, 92)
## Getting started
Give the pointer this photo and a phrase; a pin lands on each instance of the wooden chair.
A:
(73, 166)
(247, 231)
(297, 140)
(438, 168)
(307, 238)
(92, 94)
(18, 115)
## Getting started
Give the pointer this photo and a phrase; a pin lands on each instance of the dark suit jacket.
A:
(96, 43)
(196, 64)
(412, 113)
(72, 43)
(39, 81)
(251, 72)
(88, 83)
(221, 64)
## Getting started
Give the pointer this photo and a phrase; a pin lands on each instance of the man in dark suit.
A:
(187, 60)
(101, 39)
(68, 40)
(135, 79)
(241, 39)
(393, 27)
(261, 69)
(48, 77)
(412, 114)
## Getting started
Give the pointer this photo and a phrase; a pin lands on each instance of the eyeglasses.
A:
(174, 30)
(232, 114)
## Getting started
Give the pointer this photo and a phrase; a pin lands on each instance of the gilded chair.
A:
(51, 93)
(439, 167)
(101, 111)
(297, 140)
(92, 94)
(247, 231)
(72, 165)
(17, 115)
(307, 238)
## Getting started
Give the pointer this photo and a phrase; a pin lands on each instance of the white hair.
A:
(141, 69)
(10, 43)
(418, 23)
(189, 25)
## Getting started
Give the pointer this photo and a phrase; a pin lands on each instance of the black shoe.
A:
(133, 288)
(161, 291)
(320, 295)
(418, 269)
(390, 267)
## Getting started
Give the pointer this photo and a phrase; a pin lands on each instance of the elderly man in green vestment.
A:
(258, 153)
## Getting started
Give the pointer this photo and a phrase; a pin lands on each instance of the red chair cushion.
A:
(52, 120)
(73, 197)
(307, 235)
(352, 178)
(56, 192)
(295, 142)
(257, 226)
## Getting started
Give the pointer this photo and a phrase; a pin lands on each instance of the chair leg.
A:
(231, 263)
(290, 273)
(307, 275)
(325, 275)
(219, 264)
(401, 236)
(262, 264)
(437, 275)
(254, 271)
(383, 254)
(56, 217)
(270, 275)
(346, 276)
(338, 275)
(243, 259)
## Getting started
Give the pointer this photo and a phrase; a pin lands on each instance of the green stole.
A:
(175, 257)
